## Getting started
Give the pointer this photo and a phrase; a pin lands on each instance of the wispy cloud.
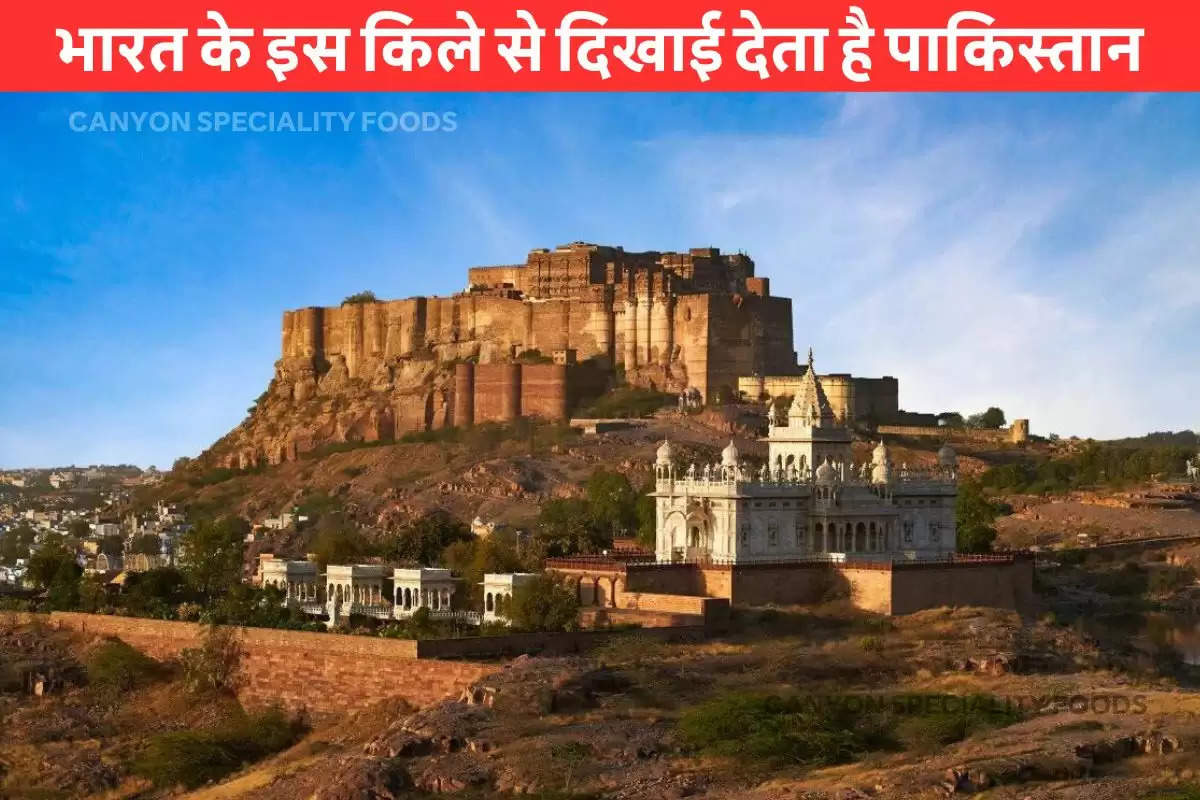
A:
(975, 263)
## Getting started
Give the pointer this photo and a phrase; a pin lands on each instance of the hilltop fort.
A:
(533, 339)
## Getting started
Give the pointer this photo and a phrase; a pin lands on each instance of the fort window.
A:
(772, 534)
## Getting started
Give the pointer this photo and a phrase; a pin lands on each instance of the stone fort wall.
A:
(1017, 433)
(882, 587)
(852, 399)
(703, 340)
(322, 673)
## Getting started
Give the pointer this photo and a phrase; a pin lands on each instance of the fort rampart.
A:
(327, 673)
(1018, 433)
(322, 673)
(884, 587)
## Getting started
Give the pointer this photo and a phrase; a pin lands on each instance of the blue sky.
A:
(1041, 253)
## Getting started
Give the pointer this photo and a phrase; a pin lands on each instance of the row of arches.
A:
(409, 598)
(599, 590)
(303, 591)
(497, 603)
(851, 537)
(350, 593)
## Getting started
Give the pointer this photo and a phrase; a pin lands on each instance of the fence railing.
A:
(869, 560)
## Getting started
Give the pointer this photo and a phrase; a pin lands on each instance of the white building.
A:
(809, 501)
(498, 591)
(425, 587)
(59, 480)
(298, 580)
(357, 589)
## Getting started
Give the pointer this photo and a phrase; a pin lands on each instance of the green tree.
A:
(337, 541)
(544, 603)
(992, 418)
(147, 544)
(974, 516)
(211, 554)
(112, 545)
(424, 539)
(951, 419)
(50, 561)
(154, 592)
(365, 296)
(612, 503)
(566, 527)
(78, 529)
(647, 512)
(473, 558)
(63, 591)
(92, 596)
(16, 544)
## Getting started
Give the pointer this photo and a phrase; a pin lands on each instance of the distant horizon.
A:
(1035, 253)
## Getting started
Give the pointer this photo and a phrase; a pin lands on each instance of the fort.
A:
(534, 339)
(672, 320)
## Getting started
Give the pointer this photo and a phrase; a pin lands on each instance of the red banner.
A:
(616, 45)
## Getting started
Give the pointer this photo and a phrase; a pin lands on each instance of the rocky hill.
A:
(499, 473)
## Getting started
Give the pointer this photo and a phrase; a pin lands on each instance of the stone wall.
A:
(323, 673)
(596, 617)
(514, 644)
(1001, 585)
(882, 587)
(1017, 434)
(852, 399)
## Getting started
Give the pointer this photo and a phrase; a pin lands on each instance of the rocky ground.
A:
(64, 738)
(1101, 517)
(499, 478)
(605, 725)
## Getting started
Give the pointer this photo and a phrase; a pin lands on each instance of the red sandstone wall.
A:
(673, 603)
(870, 589)
(540, 643)
(899, 590)
(497, 392)
(996, 585)
(782, 584)
(324, 673)
(599, 617)
(665, 579)
(544, 391)
(974, 435)
(464, 394)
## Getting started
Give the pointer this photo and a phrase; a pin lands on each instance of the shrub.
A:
(1176, 793)
(190, 758)
(931, 722)
(366, 296)
(544, 604)
(186, 758)
(1130, 580)
(216, 665)
(116, 666)
(781, 729)
(1167, 579)
(871, 644)
(628, 402)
